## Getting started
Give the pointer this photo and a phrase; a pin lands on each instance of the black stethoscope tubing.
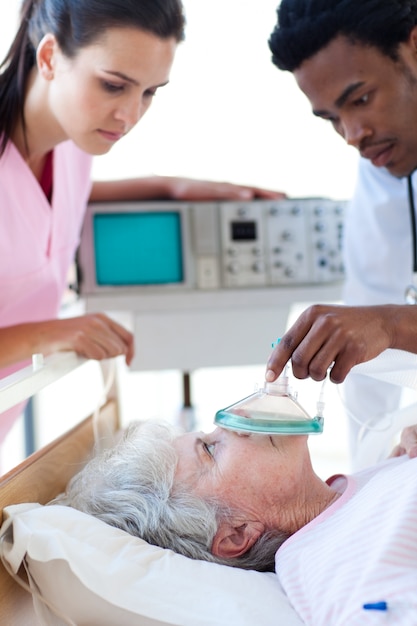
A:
(413, 221)
(411, 290)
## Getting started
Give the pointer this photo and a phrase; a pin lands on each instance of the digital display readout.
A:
(243, 231)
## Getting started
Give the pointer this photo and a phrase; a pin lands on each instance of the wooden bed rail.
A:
(45, 473)
(39, 478)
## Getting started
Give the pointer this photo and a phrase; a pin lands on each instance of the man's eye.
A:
(362, 100)
(209, 448)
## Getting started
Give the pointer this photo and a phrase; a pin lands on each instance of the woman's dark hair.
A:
(304, 27)
(75, 24)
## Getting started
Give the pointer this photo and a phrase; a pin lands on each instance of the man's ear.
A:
(234, 539)
(45, 56)
(413, 39)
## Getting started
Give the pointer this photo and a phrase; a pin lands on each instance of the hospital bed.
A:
(60, 566)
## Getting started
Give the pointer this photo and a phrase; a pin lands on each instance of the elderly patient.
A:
(253, 501)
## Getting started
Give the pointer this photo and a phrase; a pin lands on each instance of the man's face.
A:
(370, 99)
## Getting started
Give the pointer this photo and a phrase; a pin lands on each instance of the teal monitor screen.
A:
(138, 248)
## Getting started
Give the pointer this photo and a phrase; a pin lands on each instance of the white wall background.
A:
(227, 114)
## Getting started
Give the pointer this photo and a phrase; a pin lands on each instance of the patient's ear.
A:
(233, 540)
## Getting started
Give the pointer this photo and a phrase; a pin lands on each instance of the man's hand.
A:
(337, 336)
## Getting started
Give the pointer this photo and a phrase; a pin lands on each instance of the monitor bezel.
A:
(86, 252)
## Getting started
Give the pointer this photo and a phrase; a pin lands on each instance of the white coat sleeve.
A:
(377, 241)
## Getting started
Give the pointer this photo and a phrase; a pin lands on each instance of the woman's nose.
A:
(131, 112)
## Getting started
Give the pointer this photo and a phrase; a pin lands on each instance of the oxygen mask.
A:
(272, 410)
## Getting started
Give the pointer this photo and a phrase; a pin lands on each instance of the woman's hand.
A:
(94, 336)
(176, 188)
(408, 443)
(205, 190)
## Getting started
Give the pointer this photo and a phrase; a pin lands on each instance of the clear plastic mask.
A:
(271, 410)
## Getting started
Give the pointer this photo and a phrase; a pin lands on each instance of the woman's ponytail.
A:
(14, 72)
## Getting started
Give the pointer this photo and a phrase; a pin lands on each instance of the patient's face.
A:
(253, 473)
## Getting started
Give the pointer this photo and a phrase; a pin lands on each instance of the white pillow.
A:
(95, 574)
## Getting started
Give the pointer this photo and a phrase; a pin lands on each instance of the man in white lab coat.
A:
(357, 64)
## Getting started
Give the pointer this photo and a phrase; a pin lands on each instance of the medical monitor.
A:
(137, 247)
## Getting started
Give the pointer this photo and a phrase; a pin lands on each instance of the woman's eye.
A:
(112, 87)
(209, 448)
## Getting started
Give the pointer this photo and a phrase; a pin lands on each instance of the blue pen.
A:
(376, 606)
(383, 606)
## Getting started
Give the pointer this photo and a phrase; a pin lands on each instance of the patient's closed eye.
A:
(209, 448)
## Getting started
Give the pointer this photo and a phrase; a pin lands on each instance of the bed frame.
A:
(39, 478)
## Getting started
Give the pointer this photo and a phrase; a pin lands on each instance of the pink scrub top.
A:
(38, 239)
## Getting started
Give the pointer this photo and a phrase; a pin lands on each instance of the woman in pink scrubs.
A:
(77, 78)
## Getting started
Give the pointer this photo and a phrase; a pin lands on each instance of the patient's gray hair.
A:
(131, 486)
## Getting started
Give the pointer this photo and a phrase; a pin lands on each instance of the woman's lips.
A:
(110, 135)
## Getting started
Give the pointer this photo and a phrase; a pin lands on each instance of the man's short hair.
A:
(304, 27)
